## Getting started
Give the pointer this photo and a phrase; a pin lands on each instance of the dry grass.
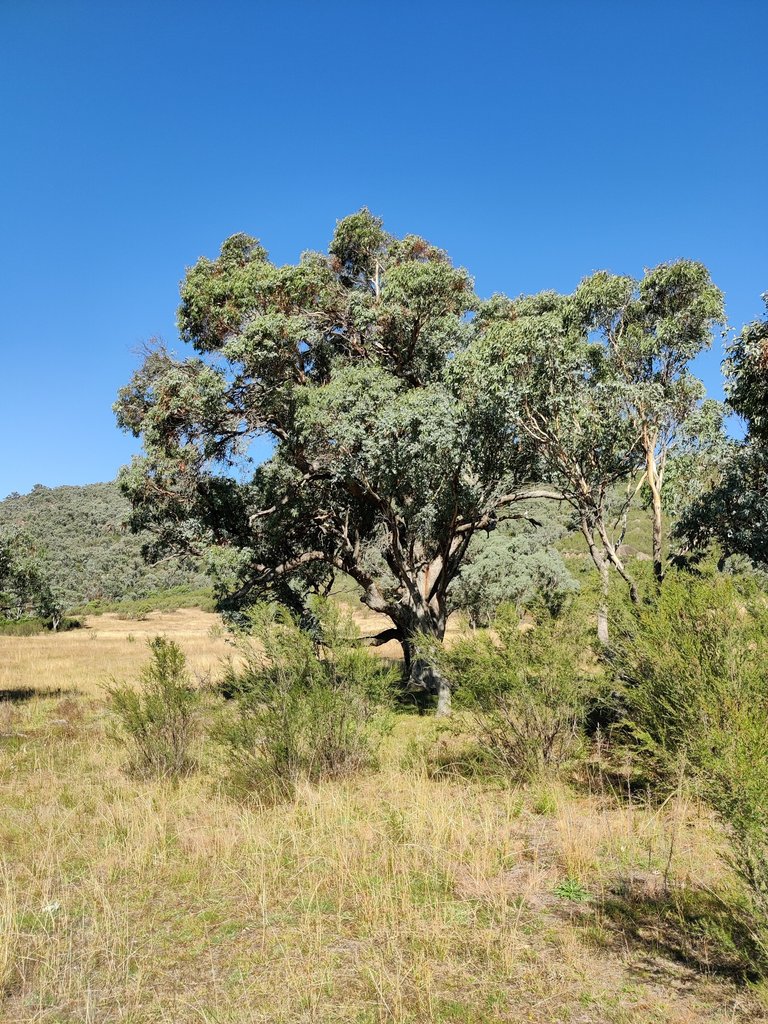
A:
(388, 898)
(83, 660)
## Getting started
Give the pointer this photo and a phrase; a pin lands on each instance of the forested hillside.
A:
(83, 543)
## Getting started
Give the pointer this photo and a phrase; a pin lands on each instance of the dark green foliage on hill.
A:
(82, 543)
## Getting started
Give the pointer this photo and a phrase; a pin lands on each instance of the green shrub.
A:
(303, 709)
(162, 600)
(695, 689)
(22, 627)
(33, 626)
(158, 723)
(526, 690)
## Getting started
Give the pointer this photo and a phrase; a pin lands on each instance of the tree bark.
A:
(658, 533)
(602, 608)
(654, 477)
(425, 678)
(602, 566)
(423, 675)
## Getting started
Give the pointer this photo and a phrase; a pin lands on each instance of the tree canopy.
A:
(733, 510)
(598, 383)
(386, 461)
(408, 418)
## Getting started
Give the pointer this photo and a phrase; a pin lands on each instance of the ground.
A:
(392, 897)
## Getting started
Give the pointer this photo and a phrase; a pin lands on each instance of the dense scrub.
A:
(692, 669)
(87, 553)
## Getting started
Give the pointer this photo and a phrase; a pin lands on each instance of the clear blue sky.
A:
(535, 140)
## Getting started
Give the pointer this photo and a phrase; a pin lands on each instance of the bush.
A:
(22, 627)
(692, 666)
(526, 690)
(162, 600)
(159, 723)
(307, 706)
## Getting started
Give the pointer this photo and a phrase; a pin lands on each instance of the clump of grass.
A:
(307, 706)
(158, 723)
(9, 937)
(572, 890)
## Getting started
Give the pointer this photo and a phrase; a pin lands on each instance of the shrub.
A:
(526, 690)
(158, 724)
(305, 708)
(692, 666)
(22, 627)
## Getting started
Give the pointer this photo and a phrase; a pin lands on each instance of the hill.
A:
(86, 548)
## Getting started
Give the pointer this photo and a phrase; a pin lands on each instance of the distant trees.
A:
(84, 547)
(25, 588)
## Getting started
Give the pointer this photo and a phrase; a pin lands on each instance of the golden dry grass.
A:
(108, 647)
(391, 897)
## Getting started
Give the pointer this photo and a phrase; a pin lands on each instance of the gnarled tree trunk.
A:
(425, 622)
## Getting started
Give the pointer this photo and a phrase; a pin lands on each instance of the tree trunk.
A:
(602, 608)
(658, 557)
(423, 676)
(603, 567)
(654, 482)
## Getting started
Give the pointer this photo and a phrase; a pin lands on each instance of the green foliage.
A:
(514, 565)
(29, 626)
(572, 890)
(85, 552)
(307, 707)
(383, 465)
(25, 589)
(693, 668)
(164, 600)
(747, 382)
(158, 723)
(527, 690)
(733, 512)
(598, 382)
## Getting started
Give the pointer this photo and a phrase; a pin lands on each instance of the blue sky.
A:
(535, 140)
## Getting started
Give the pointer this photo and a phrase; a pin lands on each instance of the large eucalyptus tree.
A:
(599, 383)
(385, 462)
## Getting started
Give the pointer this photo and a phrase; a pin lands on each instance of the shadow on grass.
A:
(709, 932)
(22, 694)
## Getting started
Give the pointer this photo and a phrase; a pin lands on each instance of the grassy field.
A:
(393, 897)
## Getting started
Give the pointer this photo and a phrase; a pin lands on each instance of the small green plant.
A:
(158, 723)
(572, 890)
(307, 706)
(544, 803)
